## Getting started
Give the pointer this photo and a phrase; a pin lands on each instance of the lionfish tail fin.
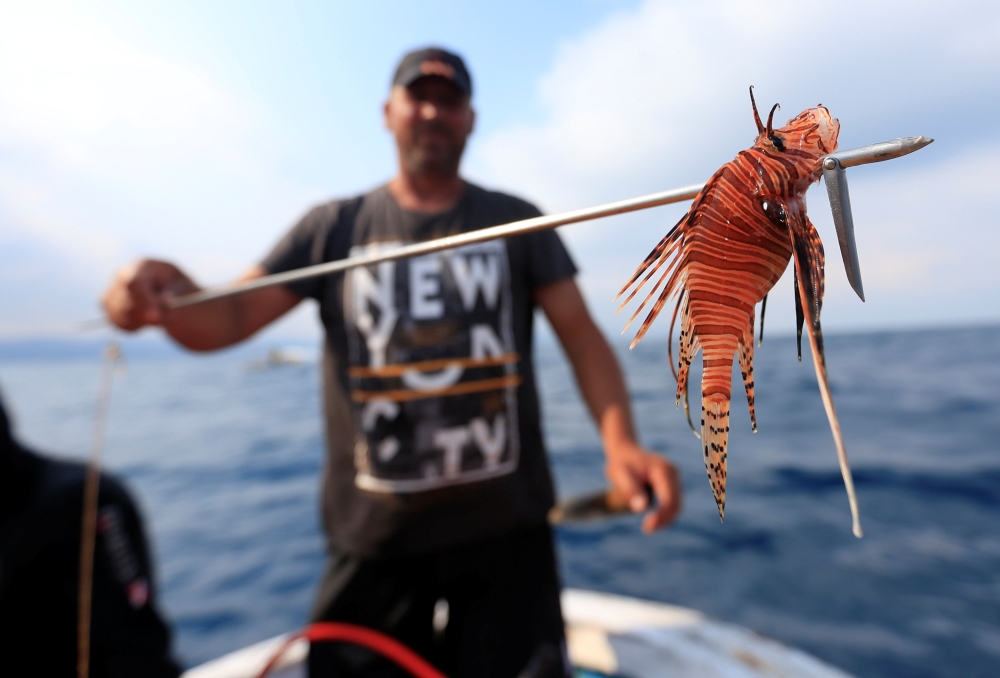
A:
(715, 442)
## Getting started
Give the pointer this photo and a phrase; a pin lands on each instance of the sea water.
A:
(225, 458)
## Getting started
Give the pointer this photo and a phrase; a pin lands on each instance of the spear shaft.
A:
(445, 243)
(885, 150)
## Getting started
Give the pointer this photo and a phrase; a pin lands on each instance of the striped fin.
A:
(673, 368)
(653, 261)
(666, 250)
(672, 271)
(687, 348)
(745, 351)
(716, 391)
(807, 251)
(715, 442)
(668, 290)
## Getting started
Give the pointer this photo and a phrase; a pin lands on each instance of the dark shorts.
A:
(501, 597)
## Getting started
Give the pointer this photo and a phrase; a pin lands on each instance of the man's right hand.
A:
(138, 295)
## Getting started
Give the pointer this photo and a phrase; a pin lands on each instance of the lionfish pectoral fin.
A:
(807, 250)
(745, 352)
(714, 442)
(653, 312)
(669, 280)
(654, 257)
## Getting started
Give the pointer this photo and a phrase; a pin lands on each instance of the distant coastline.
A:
(155, 345)
(149, 345)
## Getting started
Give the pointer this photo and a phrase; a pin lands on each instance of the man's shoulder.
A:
(519, 208)
(329, 212)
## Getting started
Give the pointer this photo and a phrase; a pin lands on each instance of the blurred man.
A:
(41, 503)
(436, 486)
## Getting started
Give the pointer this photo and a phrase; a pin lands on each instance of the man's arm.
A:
(138, 297)
(630, 467)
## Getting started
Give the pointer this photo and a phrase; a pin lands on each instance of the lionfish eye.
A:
(778, 143)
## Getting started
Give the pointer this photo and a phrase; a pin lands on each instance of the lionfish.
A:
(721, 260)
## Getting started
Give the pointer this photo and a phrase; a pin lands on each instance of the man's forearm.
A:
(597, 372)
(209, 326)
(224, 322)
(139, 296)
(602, 386)
(631, 469)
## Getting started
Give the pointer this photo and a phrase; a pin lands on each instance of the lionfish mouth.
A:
(813, 128)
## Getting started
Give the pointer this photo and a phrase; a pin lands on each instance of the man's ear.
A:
(385, 115)
(472, 119)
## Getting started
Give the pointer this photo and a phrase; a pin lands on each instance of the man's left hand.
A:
(632, 469)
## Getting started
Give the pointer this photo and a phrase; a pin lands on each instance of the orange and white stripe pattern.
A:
(723, 258)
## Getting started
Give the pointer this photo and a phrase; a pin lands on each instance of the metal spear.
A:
(840, 204)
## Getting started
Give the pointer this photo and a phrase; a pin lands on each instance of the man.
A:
(436, 487)
(41, 503)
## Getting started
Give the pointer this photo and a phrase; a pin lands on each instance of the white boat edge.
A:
(610, 634)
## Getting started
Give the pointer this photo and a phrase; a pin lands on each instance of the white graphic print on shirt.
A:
(432, 367)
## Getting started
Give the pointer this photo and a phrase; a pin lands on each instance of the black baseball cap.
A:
(433, 61)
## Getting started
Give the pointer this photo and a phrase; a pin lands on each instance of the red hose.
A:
(390, 648)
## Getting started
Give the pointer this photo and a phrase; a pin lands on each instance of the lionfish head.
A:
(813, 131)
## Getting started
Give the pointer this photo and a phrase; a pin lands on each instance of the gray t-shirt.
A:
(432, 414)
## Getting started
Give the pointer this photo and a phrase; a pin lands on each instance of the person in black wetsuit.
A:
(41, 502)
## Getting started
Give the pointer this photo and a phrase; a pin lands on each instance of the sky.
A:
(199, 132)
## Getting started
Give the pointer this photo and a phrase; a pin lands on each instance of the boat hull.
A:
(607, 635)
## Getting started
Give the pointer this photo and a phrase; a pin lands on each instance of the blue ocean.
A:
(225, 457)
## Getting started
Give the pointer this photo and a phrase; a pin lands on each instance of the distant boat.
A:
(607, 635)
(279, 357)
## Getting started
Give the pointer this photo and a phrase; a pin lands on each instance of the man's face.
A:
(431, 119)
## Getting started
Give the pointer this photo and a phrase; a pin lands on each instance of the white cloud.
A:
(657, 98)
(71, 87)
(108, 152)
(929, 238)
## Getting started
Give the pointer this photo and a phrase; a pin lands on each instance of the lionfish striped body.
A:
(725, 255)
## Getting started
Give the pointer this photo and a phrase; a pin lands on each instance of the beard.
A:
(440, 154)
